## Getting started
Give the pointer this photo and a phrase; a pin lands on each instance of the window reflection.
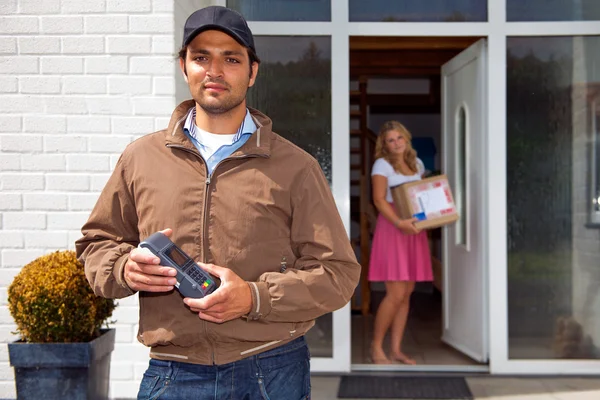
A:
(552, 10)
(283, 10)
(417, 11)
(553, 274)
(294, 89)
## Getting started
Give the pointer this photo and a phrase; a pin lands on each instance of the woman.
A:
(400, 252)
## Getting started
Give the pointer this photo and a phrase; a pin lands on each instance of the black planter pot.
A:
(66, 371)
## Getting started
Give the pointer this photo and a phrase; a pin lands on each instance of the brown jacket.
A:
(267, 204)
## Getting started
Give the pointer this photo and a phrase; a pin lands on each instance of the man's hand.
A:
(143, 272)
(230, 301)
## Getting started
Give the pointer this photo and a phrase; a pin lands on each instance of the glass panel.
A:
(461, 168)
(283, 10)
(552, 10)
(417, 11)
(294, 89)
(553, 253)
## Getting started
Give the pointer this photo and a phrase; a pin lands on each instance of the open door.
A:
(464, 114)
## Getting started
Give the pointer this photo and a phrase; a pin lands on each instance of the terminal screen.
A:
(176, 255)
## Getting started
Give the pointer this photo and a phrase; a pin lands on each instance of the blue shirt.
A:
(244, 132)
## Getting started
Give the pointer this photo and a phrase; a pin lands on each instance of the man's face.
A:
(218, 72)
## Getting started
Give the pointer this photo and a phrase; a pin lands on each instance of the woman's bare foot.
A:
(403, 358)
(378, 357)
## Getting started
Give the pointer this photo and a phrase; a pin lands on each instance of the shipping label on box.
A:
(429, 200)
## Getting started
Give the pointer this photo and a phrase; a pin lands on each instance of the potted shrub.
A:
(63, 353)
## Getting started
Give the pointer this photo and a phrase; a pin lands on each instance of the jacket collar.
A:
(259, 143)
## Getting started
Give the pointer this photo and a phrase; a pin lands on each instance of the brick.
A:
(124, 333)
(12, 258)
(84, 85)
(68, 182)
(88, 124)
(39, 7)
(113, 161)
(39, 45)
(21, 143)
(73, 236)
(10, 123)
(61, 65)
(109, 105)
(43, 162)
(132, 85)
(10, 162)
(129, 44)
(164, 44)
(151, 24)
(132, 6)
(88, 163)
(8, 7)
(83, 45)
(10, 201)
(15, 25)
(39, 84)
(7, 331)
(163, 6)
(106, 65)
(65, 144)
(22, 181)
(9, 84)
(45, 201)
(121, 371)
(8, 45)
(15, 104)
(130, 301)
(8, 275)
(65, 105)
(153, 105)
(161, 123)
(82, 201)
(152, 65)
(82, 7)
(126, 315)
(44, 123)
(5, 317)
(7, 372)
(67, 220)
(98, 181)
(62, 24)
(106, 24)
(109, 144)
(48, 239)
(24, 220)
(117, 389)
(19, 65)
(128, 352)
(4, 357)
(164, 85)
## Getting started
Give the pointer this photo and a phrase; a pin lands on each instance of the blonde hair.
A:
(381, 151)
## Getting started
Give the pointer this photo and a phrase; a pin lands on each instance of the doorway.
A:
(421, 82)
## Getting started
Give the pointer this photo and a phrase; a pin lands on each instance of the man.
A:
(249, 207)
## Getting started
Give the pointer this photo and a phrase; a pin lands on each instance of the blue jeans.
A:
(282, 373)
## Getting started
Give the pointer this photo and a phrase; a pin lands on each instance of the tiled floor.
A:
(422, 339)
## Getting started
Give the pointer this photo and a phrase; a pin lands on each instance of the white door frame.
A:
(496, 29)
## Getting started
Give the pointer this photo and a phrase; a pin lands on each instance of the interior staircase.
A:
(362, 149)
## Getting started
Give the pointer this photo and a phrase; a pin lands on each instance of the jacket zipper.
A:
(205, 227)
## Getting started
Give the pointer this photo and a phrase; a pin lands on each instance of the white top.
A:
(384, 168)
(212, 142)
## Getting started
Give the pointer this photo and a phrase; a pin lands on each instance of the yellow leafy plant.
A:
(52, 302)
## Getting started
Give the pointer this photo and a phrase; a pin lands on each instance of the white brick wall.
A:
(78, 82)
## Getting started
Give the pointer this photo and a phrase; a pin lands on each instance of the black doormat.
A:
(403, 387)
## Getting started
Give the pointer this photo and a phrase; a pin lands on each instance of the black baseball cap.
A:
(219, 18)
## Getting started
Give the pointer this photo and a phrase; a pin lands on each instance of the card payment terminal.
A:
(192, 281)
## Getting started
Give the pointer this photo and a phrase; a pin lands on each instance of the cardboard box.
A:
(430, 200)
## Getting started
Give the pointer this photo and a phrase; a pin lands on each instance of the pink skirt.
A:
(396, 256)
